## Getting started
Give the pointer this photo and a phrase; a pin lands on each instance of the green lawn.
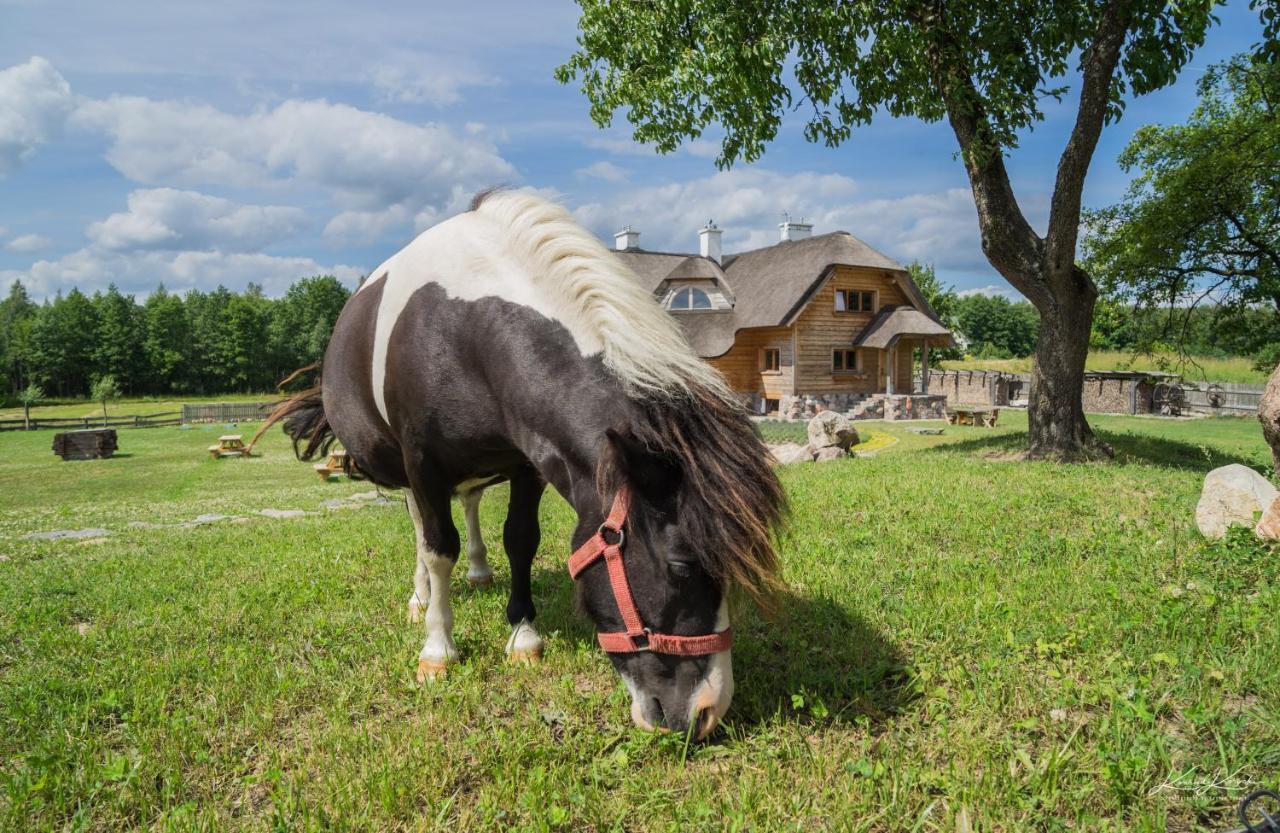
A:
(1193, 369)
(968, 643)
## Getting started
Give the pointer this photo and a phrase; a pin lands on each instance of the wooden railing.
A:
(38, 423)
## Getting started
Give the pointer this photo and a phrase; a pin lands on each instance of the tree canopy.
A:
(200, 342)
(1201, 218)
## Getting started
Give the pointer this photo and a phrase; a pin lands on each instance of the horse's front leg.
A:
(520, 537)
(438, 548)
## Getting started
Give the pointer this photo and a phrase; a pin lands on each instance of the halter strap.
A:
(636, 637)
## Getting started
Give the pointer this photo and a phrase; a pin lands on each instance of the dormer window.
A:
(690, 298)
(855, 300)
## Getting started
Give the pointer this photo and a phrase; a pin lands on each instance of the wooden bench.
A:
(982, 417)
(228, 445)
(336, 464)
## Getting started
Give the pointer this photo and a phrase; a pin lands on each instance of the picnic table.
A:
(228, 445)
(336, 464)
(983, 417)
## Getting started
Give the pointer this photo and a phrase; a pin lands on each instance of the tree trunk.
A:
(26, 416)
(1057, 429)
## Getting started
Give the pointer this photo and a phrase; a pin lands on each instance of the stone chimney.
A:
(789, 229)
(628, 238)
(709, 241)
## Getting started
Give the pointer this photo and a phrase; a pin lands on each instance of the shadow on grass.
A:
(1130, 449)
(814, 659)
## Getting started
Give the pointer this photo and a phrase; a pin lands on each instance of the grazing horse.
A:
(507, 344)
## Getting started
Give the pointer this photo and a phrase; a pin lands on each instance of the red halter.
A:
(636, 637)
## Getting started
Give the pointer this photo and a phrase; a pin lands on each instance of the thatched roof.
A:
(769, 286)
(894, 322)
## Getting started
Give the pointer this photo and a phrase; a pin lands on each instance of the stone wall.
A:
(1104, 395)
(971, 387)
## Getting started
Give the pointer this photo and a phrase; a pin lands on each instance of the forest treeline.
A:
(194, 343)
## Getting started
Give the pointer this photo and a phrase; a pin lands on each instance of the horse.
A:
(507, 344)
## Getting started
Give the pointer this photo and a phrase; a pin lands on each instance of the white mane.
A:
(642, 344)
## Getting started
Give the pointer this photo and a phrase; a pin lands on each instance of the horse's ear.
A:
(650, 474)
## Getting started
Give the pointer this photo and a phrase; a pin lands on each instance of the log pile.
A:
(96, 443)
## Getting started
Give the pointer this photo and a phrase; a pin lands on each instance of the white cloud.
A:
(28, 243)
(141, 271)
(34, 104)
(992, 291)
(416, 79)
(166, 218)
(748, 203)
(368, 161)
(607, 171)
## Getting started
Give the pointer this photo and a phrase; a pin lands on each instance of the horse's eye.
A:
(680, 569)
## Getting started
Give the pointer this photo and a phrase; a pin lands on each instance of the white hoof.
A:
(525, 645)
(417, 609)
(480, 579)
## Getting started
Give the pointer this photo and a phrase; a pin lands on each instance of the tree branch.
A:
(1099, 63)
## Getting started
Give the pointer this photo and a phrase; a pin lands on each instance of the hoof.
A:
(416, 609)
(529, 656)
(480, 581)
(429, 669)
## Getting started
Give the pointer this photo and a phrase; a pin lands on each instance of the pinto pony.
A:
(506, 343)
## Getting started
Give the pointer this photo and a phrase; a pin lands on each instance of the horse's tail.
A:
(304, 419)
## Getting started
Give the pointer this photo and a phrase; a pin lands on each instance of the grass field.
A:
(967, 644)
(1195, 369)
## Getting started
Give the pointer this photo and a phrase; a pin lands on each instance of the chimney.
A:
(791, 230)
(709, 241)
(628, 238)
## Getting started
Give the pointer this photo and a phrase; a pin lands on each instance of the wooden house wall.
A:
(741, 365)
(819, 330)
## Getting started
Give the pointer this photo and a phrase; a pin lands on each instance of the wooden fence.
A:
(1222, 397)
(226, 411)
(134, 421)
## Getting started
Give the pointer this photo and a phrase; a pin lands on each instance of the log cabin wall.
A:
(741, 366)
(820, 330)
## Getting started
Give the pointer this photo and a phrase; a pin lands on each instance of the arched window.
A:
(691, 298)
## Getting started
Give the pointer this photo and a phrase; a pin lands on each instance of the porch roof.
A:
(895, 322)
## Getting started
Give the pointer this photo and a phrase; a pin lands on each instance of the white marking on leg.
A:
(478, 570)
(524, 645)
(715, 693)
(421, 579)
(438, 649)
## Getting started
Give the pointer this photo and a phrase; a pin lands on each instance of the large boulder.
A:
(1268, 528)
(1232, 496)
(1269, 413)
(831, 429)
(787, 453)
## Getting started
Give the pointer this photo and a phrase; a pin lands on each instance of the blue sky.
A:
(198, 144)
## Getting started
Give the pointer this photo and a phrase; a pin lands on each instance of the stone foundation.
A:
(854, 406)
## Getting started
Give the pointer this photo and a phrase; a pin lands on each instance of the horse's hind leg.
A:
(438, 547)
(520, 538)
(479, 573)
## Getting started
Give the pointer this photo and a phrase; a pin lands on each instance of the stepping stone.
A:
(58, 534)
(932, 432)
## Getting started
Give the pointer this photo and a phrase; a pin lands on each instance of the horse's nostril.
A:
(656, 716)
(704, 721)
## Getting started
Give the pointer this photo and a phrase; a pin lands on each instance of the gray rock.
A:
(788, 453)
(58, 534)
(830, 429)
(1269, 414)
(1232, 496)
(829, 453)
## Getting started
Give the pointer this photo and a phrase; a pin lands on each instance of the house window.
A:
(770, 359)
(690, 298)
(846, 361)
(855, 300)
